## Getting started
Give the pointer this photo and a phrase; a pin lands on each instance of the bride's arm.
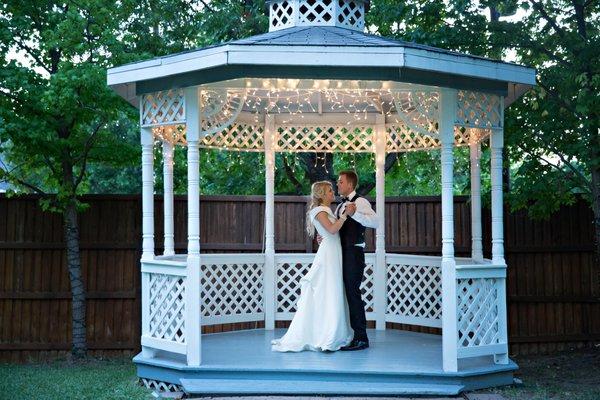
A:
(328, 225)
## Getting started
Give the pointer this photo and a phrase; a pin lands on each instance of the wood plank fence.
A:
(553, 279)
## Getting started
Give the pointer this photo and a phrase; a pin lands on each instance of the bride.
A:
(322, 321)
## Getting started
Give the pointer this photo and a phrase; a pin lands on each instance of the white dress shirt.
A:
(364, 214)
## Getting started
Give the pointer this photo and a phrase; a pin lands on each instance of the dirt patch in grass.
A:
(571, 375)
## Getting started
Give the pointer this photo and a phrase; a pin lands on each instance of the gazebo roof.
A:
(322, 52)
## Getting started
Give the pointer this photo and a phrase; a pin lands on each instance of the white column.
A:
(496, 145)
(192, 303)
(169, 247)
(476, 236)
(380, 291)
(447, 114)
(270, 275)
(147, 141)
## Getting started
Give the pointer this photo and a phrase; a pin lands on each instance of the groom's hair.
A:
(351, 176)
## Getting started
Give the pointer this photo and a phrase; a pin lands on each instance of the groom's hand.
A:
(319, 239)
(350, 209)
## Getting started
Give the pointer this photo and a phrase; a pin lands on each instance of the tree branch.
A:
(290, 174)
(540, 8)
(585, 185)
(8, 177)
(29, 51)
(565, 103)
(88, 146)
(207, 6)
(390, 159)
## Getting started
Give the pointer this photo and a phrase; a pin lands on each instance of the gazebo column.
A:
(192, 288)
(496, 145)
(270, 273)
(169, 247)
(447, 115)
(476, 236)
(147, 141)
(380, 292)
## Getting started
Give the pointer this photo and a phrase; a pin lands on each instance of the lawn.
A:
(92, 379)
(573, 375)
(569, 375)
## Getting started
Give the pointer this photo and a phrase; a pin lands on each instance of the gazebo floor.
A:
(396, 363)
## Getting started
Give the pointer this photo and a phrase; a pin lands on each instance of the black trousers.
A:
(353, 262)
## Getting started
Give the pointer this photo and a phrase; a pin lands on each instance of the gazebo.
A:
(316, 83)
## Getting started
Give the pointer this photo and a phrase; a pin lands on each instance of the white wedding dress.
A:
(322, 319)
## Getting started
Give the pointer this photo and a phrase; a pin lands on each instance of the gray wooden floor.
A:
(390, 351)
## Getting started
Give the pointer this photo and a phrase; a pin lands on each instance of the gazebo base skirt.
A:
(396, 363)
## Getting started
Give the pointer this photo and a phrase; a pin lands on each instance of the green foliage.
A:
(59, 117)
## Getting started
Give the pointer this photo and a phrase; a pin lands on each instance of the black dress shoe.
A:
(356, 345)
(349, 345)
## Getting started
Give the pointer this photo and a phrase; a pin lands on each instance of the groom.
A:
(352, 236)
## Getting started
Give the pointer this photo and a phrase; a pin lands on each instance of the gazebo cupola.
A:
(343, 13)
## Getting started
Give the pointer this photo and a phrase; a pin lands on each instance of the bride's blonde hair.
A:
(318, 191)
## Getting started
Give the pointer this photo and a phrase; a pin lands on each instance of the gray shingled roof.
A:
(334, 36)
(322, 52)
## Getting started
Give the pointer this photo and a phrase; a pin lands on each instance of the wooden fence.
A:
(553, 280)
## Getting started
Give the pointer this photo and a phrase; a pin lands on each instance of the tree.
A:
(552, 133)
(58, 116)
(554, 130)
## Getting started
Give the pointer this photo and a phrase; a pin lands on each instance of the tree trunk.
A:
(71, 231)
(596, 208)
(319, 167)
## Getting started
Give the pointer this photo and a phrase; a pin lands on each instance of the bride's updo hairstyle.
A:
(318, 191)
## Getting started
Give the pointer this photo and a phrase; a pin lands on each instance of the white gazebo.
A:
(317, 83)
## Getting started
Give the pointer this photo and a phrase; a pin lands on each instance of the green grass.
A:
(91, 379)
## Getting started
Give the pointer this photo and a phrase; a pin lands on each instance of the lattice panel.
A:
(288, 285)
(320, 139)
(402, 138)
(219, 108)
(167, 307)
(289, 289)
(281, 14)
(477, 307)
(315, 11)
(419, 110)
(236, 137)
(160, 386)
(367, 287)
(174, 134)
(478, 110)
(414, 291)
(162, 108)
(231, 289)
(351, 14)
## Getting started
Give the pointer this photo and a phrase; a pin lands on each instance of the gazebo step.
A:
(311, 387)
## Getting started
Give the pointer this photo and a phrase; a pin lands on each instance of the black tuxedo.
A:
(353, 262)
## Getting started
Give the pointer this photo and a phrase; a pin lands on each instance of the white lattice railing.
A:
(481, 310)
(414, 290)
(232, 288)
(289, 268)
(163, 305)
